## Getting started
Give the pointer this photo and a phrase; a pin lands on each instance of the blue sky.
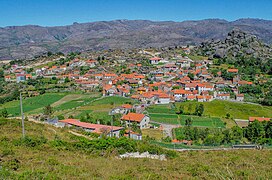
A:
(64, 12)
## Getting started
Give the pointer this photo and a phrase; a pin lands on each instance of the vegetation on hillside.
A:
(256, 132)
(72, 157)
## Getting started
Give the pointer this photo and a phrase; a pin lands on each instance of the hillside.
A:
(46, 154)
(19, 42)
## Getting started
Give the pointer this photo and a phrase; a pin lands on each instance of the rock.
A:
(237, 43)
(249, 51)
(219, 53)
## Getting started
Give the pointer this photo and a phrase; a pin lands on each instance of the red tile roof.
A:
(133, 117)
(155, 59)
(127, 106)
(258, 119)
(233, 70)
(96, 127)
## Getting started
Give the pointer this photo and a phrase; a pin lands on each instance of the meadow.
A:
(236, 110)
(166, 114)
(180, 119)
(75, 105)
(30, 104)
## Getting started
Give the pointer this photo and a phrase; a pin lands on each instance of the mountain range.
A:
(25, 42)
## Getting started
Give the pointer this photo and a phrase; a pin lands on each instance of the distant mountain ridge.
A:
(23, 42)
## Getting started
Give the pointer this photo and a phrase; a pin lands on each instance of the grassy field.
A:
(180, 119)
(51, 161)
(31, 104)
(74, 103)
(157, 134)
(165, 118)
(98, 107)
(218, 108)
(203, 121)
(163, 109)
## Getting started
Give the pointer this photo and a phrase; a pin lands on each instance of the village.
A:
(155, 79)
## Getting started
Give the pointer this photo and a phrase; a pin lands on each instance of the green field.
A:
(74, 103)
(236, 110)
(180, 119)
(32, 103)
(61, 103)
(97, 107)
(112, 100)
(203, 121)
(165, 118)
(165, 109)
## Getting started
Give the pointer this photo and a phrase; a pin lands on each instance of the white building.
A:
(142, 120)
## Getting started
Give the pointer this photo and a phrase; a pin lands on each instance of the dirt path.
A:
(167, 128)
(67, 98)
(81, 135)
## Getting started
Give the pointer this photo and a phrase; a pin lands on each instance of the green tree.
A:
(180, 110)
(4, 113)
(66, 80)
(199, 110)
(188, 121)
(268, 129)
(191, 76)
(255, 131)
(48, 110)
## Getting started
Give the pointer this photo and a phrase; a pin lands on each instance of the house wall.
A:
(145, 122)
(163, 101)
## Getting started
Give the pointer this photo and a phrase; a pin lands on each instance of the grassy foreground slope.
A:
(49, 159)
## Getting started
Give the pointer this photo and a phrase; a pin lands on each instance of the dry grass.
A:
(47, 162)
(153, 133)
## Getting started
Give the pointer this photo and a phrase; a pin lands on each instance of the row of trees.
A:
(256, 132)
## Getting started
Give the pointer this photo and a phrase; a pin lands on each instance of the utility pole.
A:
(22, 113)
(112, 125)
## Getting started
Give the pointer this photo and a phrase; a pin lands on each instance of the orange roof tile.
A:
(127, 106)
(133, 117)
(259, 119)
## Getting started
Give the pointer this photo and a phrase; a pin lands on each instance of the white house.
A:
(154, 60)
(223, 96)
(142, 120)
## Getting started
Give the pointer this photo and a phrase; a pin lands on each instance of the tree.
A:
(48, 110)
(255, 131)
(199, 110)
(227, 115)
(180, 110)
(268, 129)
(190, 107)
(237, 133)
(4, 113)
(188, 121)
(191, 76)
(66, 80)
(60, 117)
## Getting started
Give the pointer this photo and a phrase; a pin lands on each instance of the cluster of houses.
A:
(179, 79)
(171, 81)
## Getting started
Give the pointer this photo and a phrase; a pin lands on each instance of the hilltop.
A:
(24, 42)
(237, 44)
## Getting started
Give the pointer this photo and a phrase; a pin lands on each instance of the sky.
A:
(66, 12)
